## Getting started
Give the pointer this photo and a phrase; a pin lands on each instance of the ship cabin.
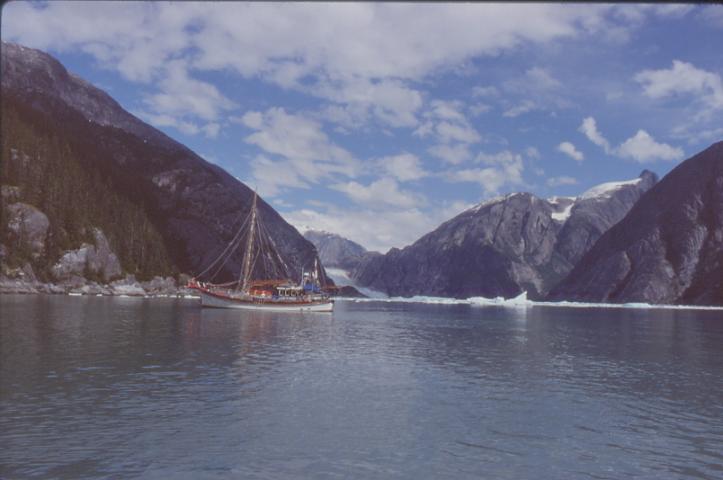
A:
(275, 288)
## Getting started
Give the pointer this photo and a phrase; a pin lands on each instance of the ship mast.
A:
(246, 273)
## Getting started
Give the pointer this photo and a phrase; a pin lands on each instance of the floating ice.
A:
(522, 301)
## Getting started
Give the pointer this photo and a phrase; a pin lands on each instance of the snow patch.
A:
(338, 275)
(341, 278)
(605, 190)
(563, 207)
(490, 201)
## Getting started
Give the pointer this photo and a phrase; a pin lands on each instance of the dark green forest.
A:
(65, 179)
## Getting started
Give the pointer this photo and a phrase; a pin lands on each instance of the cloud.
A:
(403, 167)
(389, 101)
(457, 131)
(502, 169)
(305, 154)
(534, 80)
(183, 96)
(380, 193)
(536, 89)
(569, 149)
(479, 108)
(524, 107)
(533, 153)
(485, 91)
(271, 176)
(447, 125)
(363, 58)
(589, 129)
(189, 105)
(697, 135)
(396, 228)
(334, 40)
(642, 148)
(453, 154)
(560, 181)
(681, 79)
(713, 15)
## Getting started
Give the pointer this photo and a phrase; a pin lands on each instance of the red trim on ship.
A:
(260, 300)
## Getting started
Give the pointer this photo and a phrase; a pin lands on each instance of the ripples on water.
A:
(157, 388)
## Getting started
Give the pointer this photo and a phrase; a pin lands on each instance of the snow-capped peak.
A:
(605, 190)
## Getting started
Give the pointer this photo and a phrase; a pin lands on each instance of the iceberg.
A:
(521, 300)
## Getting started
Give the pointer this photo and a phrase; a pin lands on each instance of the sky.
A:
(380, 121)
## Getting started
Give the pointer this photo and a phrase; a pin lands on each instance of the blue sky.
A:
(378, 122)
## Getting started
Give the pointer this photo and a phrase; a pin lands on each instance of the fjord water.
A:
(95, 387)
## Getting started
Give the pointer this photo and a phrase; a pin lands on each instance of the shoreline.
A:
(163, 288)
(126, 287)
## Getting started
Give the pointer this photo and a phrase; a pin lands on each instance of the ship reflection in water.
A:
(159, 388)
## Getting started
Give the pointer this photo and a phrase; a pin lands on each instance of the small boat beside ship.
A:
(276, 292)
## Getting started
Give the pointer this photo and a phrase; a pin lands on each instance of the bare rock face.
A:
(503, 246)
(102, 259)
(9, 193)
(127, 286)
(72, 263)
(595, 211)
(668, 249)
(18, 280)
(494, 249)
(160, 286)
(97, 259)
(30, 70)
(335, 250)
(29, 226)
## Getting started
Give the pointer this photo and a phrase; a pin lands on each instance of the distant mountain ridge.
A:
(668, 249)
(505, 245)
(194, 205)
(335, 250)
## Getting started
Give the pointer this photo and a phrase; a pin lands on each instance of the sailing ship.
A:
(276, 292)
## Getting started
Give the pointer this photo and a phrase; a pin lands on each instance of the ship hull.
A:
(220, 301)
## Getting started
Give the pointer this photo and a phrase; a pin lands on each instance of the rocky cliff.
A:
(337, 251)
(192, 206)
(504, 246)
(668, 249)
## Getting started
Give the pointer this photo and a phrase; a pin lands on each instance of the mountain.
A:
(668, 249)
(337, 251)
(505, 245)
(74, 151)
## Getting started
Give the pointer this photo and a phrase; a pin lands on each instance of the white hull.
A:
(220, 302)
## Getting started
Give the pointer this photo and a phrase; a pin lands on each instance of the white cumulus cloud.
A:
(404, 167)
(643, 148)
(380, 193)
(682, 78)
(503, 169)
(589, 129)
(517, 110)
(361, 57)
(302, 153)
(569, 149)
(396, 228)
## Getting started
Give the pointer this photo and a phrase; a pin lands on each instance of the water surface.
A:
(99, 387)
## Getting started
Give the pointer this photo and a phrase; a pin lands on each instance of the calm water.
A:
(155, 388)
